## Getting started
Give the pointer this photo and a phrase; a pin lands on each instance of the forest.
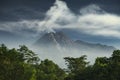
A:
(24, 64)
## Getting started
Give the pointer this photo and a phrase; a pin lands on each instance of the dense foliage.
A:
(24, 64)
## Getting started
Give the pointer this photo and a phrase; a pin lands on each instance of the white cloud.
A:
(91, 9)
(92, 20)
(57, 15)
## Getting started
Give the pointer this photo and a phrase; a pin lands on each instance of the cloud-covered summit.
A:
(91, 20)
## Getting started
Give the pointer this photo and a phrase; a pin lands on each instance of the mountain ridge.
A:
(61, 39)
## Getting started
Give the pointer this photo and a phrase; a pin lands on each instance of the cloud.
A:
(58, 16)
(100, 24)
(91, 9)
(91, 20)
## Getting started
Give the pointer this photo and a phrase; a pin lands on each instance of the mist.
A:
(57, 54)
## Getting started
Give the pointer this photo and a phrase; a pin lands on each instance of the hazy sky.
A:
(89, 20)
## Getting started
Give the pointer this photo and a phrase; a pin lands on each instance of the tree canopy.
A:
(24, 64)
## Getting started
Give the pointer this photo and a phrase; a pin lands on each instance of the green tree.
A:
(10, 64)
(14, 62)
(114, 66)
(100, 68)
(76, 67)
(107, 68)
(48, 70)
(28, 55)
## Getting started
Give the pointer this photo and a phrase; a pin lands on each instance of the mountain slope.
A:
(58, 38)
(62, 40)
(90, 46)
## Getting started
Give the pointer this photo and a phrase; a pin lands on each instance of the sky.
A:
(96, 21)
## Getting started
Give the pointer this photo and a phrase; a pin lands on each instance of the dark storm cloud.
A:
(14, 10)
(15, 14)
(112, 6)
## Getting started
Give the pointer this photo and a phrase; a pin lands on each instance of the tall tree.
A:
(48, 70)
(76, 66)
(14, 62)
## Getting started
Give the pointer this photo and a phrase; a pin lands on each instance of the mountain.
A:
(90, 46)
(60, 39)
